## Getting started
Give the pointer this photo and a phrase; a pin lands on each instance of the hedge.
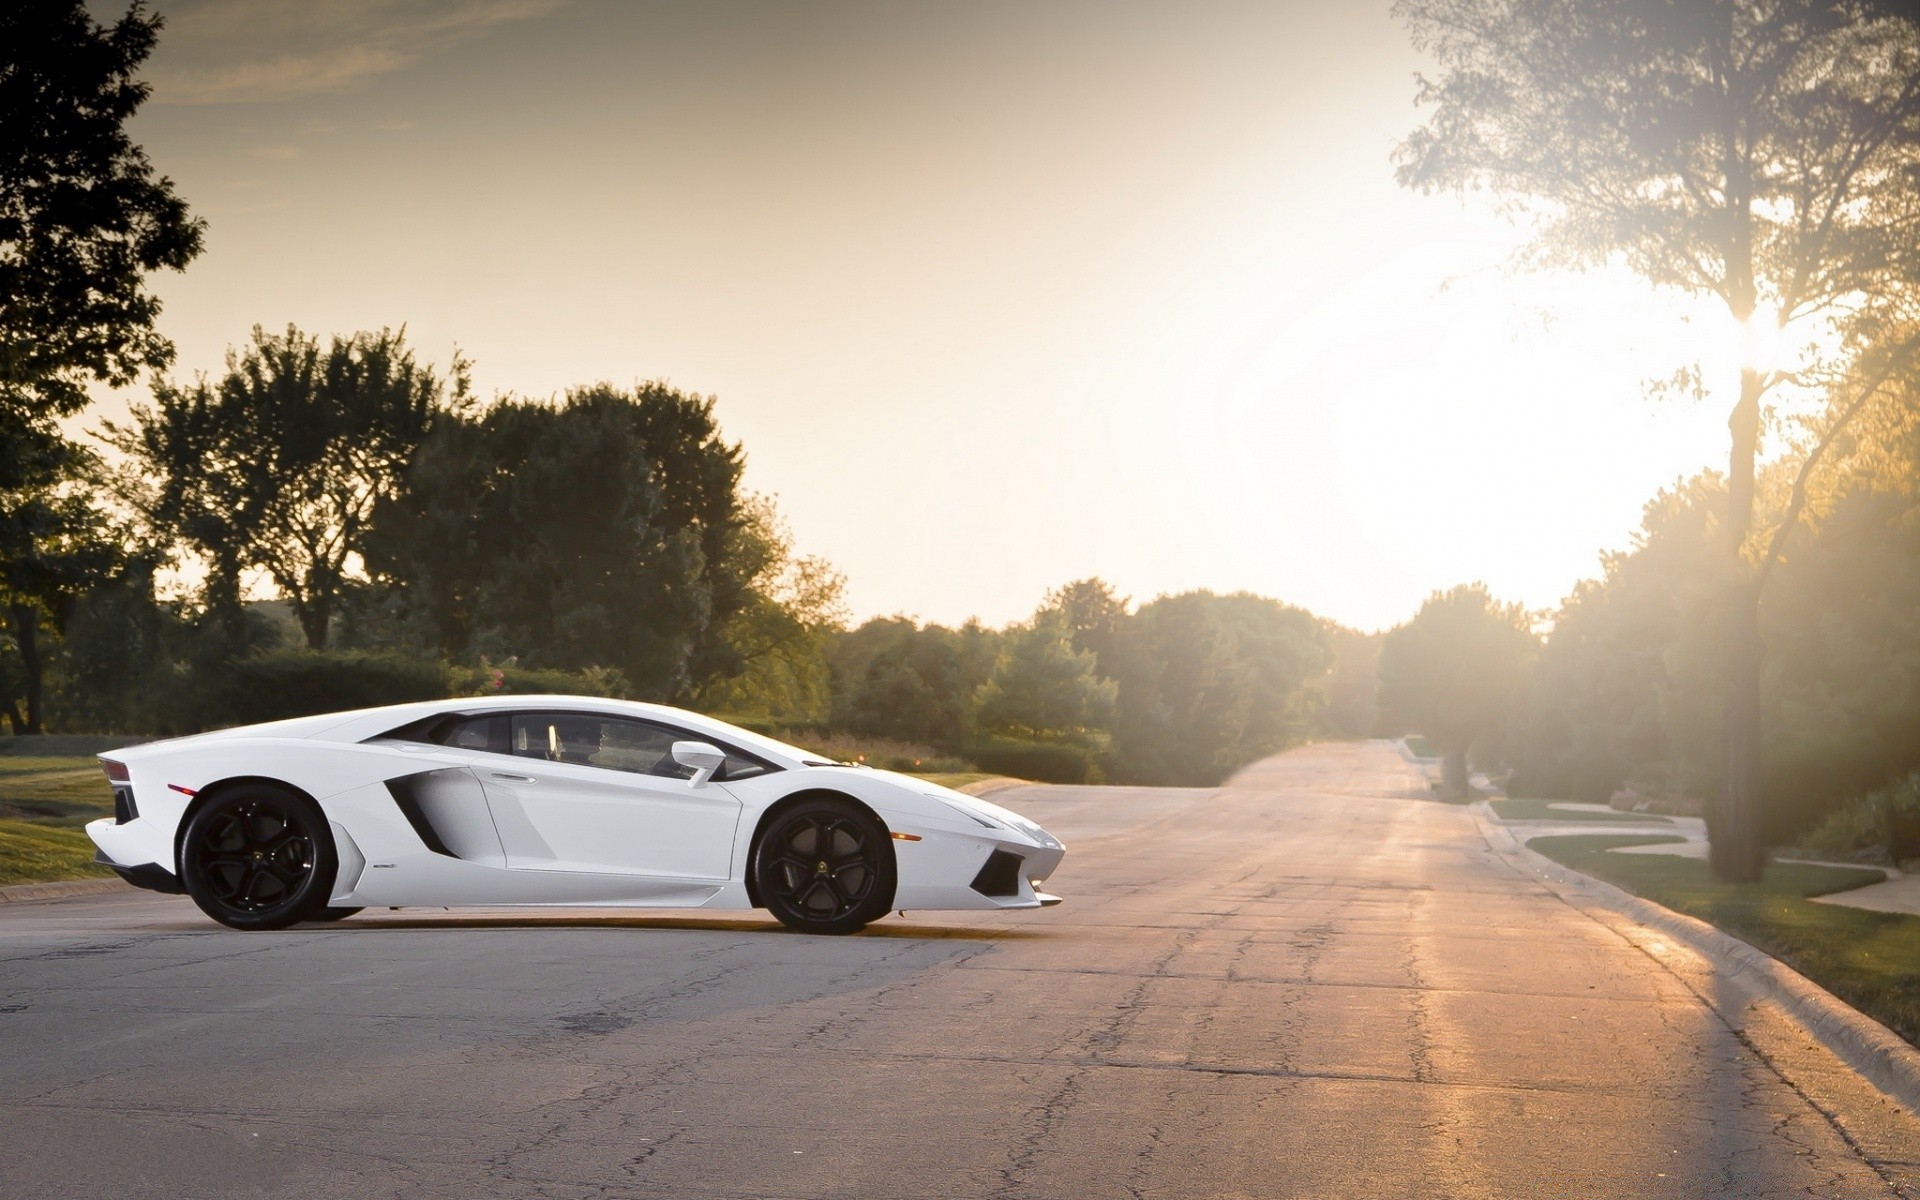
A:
(1047, 762)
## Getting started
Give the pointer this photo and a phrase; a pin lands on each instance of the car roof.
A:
(359, 725)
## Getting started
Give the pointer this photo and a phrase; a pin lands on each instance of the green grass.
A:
(1869, 959)
(62, 790)
(1524, 809)
(31, 852)
(44, 799)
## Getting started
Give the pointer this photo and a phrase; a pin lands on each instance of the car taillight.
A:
(116, 771)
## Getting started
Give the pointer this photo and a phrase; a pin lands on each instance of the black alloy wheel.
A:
(825, 866)
(258, 857)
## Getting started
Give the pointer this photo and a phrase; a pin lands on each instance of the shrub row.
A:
(1046, 762)
(276, 686)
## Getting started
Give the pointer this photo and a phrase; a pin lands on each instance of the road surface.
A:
(1309, 983)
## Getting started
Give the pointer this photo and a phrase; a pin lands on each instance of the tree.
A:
(55, 545)
(1209, 683)
(1756, 151)
(83, 220)
(896, 679)
(779, 636)
(1351, 709)
(607, 530)
(1093, 612)
(1456, 673)
(1042, 688)
(281, 463)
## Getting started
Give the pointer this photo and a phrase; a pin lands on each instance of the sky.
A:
(995, 295)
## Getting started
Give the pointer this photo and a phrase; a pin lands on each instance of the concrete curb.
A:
(21, 893)
(1864, 1044)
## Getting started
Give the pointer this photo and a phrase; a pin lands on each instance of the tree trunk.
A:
(1736, 848)
(315, 616)
(26, 629)
(223, 600)
(1453, 775)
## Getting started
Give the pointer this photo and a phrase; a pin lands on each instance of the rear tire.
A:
(258, 857)
(825, 866)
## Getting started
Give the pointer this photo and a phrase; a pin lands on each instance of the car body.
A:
(549, 800)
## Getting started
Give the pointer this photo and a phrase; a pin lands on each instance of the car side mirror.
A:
(704, 757)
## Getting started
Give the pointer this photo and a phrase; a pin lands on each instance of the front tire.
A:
(825, 866)
(258, 857)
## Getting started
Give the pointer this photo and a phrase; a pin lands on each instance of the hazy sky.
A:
(997, 295)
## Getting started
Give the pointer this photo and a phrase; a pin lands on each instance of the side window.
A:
(488, 733)
(589, 741)
(739, 766)
(477, 733)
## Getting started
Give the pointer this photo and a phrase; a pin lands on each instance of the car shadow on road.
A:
(907, 930)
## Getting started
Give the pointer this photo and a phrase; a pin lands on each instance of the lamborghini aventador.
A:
(549, 800)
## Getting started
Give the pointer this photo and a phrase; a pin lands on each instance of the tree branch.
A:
(1797, 504)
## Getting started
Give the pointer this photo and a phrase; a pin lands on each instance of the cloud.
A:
(246, 51)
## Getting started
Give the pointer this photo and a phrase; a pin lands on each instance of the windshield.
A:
(750, 740)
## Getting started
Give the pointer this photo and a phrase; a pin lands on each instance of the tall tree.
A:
(279, 464)
(606, 530)
(1043, 688)
(1741, 149)
(1094, 614)
(1210, 683)
(83, 220)
(1456, 673)
(778, 638)
(55, 545)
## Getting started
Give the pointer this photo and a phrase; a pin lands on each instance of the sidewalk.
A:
(1899, 894)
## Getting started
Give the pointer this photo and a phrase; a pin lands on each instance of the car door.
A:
(579, 791)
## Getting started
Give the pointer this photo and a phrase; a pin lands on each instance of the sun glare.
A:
(1763, 341)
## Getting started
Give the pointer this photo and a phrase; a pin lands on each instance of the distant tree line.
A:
(333, 522)
(1616, 689)
(1182, 690)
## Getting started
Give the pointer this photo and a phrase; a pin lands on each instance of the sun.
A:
(1764, 343)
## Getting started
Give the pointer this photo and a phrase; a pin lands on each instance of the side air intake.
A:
(1001, 875)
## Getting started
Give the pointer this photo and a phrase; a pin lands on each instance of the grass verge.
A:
(1520, 808)
(44, 799)
(1871, 960)
(59, 790)
(31, 852)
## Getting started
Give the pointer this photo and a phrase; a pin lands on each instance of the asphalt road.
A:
(1306, 984)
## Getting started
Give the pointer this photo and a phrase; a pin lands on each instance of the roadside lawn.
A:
(1522, 809)
(43, 802)
(1869, 959)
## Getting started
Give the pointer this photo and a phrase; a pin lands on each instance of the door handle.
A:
(510, 778)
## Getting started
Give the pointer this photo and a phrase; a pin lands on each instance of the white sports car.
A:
(549, 800)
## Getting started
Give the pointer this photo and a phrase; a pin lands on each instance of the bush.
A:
(509, 680)
(884, 753)
(1048, 762)
(271, 687)
(1882, 826)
